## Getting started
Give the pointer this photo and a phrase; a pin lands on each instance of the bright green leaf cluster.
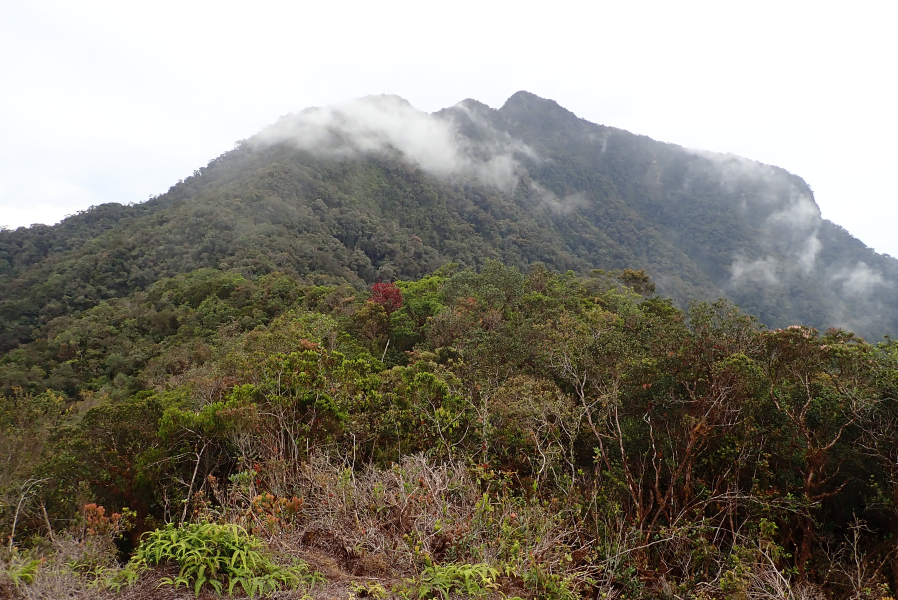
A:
(221, 556)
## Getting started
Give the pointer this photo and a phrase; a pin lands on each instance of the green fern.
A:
(220, 556)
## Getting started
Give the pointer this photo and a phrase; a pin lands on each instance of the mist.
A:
(789, 250)
(859, 280)
(379, 124)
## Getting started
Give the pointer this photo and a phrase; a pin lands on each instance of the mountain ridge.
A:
(342, 193)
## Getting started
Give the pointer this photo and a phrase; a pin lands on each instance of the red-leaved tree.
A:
(387, 295)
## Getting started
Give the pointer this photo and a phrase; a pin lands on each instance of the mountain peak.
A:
(523, 98)
(526, 107)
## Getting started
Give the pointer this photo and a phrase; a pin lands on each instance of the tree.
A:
(387, 295)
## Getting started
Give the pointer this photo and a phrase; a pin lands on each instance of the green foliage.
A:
(371, 589)
(220, 556)
(551, 586)
(22, 569)
(474, 581)
(564, 430)
(27, 421)
(112, 456)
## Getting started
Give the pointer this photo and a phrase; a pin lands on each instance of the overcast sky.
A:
(105, 101)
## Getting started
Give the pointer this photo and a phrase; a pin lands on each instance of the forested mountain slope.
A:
(374, 190)
(334, 349)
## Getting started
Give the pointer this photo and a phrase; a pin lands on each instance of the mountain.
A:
(230, 370)
(375, 190)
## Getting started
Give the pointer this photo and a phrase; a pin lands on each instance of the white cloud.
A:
(801, 214)
(858, 281)
(384, 123)
(559, 206)
(733, 169)
(790, 232)
(759, 271)
(795, 228)
(808, 256)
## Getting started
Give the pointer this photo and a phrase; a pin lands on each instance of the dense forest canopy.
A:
(502, 353)
(695, 451)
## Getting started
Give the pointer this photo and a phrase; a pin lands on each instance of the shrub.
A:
(222, 556)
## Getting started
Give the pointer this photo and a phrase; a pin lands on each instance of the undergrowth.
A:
(473, 581)
(220, 556)
(446, 526)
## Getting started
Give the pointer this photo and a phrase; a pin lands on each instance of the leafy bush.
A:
(220, 555)
(474, 581)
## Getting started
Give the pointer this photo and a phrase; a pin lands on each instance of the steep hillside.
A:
(376, 190)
